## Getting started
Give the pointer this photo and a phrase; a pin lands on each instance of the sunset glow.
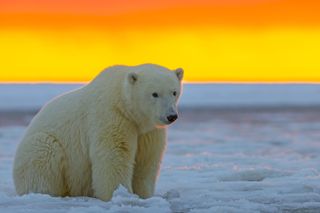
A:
(219, 41)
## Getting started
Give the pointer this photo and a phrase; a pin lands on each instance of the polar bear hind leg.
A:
(40, 166)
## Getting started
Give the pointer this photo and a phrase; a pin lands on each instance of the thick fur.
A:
(109, 132)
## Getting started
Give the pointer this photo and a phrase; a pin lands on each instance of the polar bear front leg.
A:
(112, 164)
(148, 159)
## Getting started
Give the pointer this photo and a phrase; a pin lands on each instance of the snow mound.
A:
(122, 201)
(253, 175)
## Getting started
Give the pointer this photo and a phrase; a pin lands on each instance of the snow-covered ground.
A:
(221, 156)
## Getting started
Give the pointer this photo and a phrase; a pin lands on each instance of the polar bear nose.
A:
(172, 118)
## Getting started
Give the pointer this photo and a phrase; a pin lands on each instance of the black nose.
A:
(172, 118)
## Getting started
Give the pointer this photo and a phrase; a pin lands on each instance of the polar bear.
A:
(110, 132)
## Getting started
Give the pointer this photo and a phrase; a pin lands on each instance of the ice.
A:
(33, 96)
(30, 96)
(218, 159)
(248, 163)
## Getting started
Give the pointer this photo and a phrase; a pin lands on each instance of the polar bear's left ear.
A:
(132, 77)
(179, 73)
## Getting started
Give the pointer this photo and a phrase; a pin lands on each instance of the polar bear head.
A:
(153, 92)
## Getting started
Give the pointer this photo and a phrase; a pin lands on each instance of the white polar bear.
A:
(109, 132)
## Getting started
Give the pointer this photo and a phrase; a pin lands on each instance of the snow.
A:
(225, 159)
(33, 96)
(30, 96)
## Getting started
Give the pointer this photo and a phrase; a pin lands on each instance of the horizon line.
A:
(184, 82)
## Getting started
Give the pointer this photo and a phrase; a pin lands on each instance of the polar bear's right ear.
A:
(132, 77)
(179, 73)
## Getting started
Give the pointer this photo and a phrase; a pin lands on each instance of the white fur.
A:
(109, 132)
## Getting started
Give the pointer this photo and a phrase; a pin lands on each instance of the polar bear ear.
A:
(132, 77)
(179, 73)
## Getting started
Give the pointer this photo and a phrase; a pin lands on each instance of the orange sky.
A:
(230, 40)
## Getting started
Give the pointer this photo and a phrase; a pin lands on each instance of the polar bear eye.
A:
(155, 95)
(174, 93)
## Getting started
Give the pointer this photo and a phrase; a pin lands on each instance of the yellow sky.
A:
(249, 41)
(206, 55)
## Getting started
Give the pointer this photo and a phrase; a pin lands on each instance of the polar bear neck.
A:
(125, 108)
